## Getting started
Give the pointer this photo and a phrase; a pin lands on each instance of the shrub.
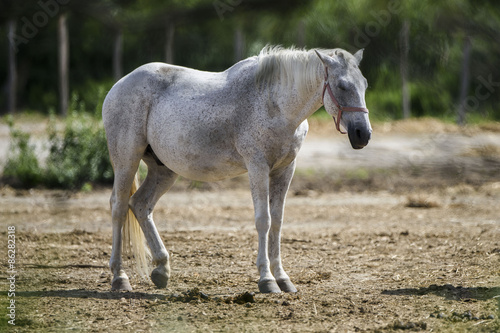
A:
(78, 155)
(22, 168)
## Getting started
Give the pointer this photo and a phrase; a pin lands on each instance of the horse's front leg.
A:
(279, 184)
(259, 186)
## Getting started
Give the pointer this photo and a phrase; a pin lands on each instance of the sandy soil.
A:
(409, 245)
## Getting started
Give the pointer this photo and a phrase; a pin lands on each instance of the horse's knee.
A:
(135, 206)
(119, 209)
(262, 223)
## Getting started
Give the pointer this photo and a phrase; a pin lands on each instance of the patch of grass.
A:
(358, 174)
(305, 172)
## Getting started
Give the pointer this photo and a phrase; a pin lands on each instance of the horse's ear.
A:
(326, 59)
(359, 55)
(322, 57)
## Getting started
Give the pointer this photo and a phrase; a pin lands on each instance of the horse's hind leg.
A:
(124, 178)
(158, 181)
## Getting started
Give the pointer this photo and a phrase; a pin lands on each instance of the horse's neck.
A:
(294, 104)
(298, 107)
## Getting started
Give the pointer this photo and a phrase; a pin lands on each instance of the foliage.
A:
(205, 39)
(22, 168)
(90, 96)
(78, 155)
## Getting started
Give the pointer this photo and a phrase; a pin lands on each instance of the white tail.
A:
(134, 242)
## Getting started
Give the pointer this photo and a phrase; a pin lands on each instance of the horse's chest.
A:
(280, 147)
(284, 153)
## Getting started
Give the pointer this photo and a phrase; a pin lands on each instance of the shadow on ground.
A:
(84, 293)
(449, 292)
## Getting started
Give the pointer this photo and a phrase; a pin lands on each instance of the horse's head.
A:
(344, 95)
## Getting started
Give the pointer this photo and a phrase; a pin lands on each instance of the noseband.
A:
(326, 87)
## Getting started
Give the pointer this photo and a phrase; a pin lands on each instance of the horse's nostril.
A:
(358, 133)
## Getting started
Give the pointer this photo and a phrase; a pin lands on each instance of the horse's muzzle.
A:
(359, 136)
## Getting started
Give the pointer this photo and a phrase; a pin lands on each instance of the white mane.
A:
(288, 66)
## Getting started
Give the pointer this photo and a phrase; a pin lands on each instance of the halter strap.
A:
(326, 87)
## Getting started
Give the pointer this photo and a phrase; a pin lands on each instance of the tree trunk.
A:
(239, 44)
(464, 82)
(63, 62)
(169, 43)
(117, 55)
(404, 50)
(12, 71)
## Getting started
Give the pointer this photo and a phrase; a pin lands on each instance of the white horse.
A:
(211, 126)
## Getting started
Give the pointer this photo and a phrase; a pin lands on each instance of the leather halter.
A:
(326, 87)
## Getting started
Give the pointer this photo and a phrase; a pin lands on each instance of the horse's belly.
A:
(207, 170)
(202, 163)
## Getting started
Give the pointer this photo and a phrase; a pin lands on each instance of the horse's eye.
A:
(343, 85)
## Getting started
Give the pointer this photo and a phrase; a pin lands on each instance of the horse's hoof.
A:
(121, 284)
(286, 286)
(269, 286)
(159, 278)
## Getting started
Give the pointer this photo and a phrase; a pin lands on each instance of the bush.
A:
(78, 156)
(91, 96)
(22, 168)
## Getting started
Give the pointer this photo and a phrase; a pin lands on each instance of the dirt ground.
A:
(406, 239)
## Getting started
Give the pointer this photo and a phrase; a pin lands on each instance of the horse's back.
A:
(152, 82)
(139, 85)
(128, 104)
